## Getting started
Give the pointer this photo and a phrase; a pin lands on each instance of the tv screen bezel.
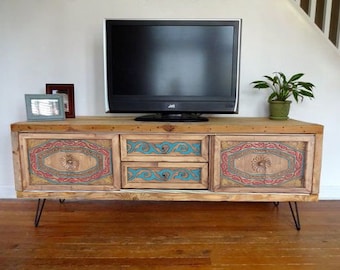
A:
(175, 104)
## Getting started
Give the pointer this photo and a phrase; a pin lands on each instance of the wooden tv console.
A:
(224, 159)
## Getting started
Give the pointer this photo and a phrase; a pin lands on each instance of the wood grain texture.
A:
(18, 181)
(164, 183)
(127, 124)
(168, 195)
(51, 161)
(168, 235)
(203, 133)
(201, 154)
(237, 163)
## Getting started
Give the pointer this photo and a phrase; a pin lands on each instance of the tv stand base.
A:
(181, 117)
(295, 213)
(225, 159)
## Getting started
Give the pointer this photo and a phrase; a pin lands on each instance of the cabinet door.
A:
(181, 148)
(165, 175)
(69, 162)
(263, 163)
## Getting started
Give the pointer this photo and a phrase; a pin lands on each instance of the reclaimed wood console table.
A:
(117, 158)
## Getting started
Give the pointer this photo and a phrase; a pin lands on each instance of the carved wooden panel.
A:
(263, 163)
(188, 148)
(165, 175)
(80, 162)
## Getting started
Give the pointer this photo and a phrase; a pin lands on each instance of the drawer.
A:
(263, 163)
(163, 175)
(70, 162)
(186, 148)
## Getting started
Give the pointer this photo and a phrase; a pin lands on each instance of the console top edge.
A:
(128, 124)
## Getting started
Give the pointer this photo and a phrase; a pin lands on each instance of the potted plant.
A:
(282, 89)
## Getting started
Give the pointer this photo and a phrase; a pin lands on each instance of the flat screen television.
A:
(172, 70)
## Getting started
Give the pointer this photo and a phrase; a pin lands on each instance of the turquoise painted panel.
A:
(163, 148)
(164, 175)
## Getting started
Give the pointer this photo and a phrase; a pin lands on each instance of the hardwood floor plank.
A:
(168, 235)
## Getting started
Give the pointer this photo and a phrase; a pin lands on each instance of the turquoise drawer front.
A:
(164, 175)
(164, 148)
(189, 148)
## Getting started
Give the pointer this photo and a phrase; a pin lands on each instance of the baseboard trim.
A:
(329, 193)
(7, 192)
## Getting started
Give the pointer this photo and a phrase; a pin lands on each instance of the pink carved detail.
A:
(295, 157)
(39, 153)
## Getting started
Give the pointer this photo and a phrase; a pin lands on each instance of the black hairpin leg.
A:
(61, 200)
(295, 215)
(40, 208)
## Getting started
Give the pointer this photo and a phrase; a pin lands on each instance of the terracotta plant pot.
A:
(279, 110)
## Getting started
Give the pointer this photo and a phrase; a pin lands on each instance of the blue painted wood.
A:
(164, 175)
(148, 148)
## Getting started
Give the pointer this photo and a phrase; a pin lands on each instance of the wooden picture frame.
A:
(40, 107)
(67, 91)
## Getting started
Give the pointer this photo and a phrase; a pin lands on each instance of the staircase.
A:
(326, 15)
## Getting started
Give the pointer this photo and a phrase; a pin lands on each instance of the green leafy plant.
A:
(282, 88)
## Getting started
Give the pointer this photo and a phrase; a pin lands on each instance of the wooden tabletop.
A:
(215, 125)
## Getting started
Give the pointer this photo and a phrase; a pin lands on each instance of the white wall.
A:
(43, 41)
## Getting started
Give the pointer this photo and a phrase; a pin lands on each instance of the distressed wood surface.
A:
(127, 124)
(125, 127)
(162, 182)
(168, 195)
(146, 141)
(283, 152)
(168, 236)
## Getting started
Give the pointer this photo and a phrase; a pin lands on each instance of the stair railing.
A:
(326, 15)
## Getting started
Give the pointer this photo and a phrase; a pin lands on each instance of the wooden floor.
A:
(168, 235)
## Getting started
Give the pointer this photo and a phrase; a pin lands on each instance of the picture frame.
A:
(67, 91)
(41, 107)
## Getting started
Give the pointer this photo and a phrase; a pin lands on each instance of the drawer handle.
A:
(69, 162)
(165, 176)
(164, 149)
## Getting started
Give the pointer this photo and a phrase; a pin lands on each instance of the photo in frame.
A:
(67, 92)
(40, 107)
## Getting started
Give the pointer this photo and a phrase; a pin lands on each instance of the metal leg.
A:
(276, 203)
(295, 215)
(61, 200)
(40, 207)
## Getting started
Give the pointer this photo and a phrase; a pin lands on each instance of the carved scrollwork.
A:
(260, 163)
(69, 162)
(148, 148)
(163, 175)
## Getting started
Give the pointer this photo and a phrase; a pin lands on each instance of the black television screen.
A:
(172, 69)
